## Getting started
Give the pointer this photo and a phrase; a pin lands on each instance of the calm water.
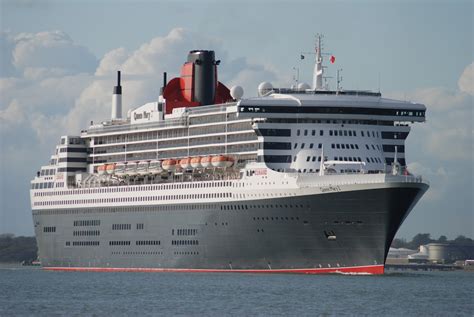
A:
(29, 291)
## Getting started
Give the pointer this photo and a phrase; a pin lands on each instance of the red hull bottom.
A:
(369, 269)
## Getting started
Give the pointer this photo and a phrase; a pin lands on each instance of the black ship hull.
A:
(349, 231)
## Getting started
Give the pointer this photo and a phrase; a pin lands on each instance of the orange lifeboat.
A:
(110, 169)
(196, 162)
(101, 169)
(185, 163)
(169, 165)
(206, 161)
(222, 161)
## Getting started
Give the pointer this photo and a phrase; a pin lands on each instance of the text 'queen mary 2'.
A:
(304, 180)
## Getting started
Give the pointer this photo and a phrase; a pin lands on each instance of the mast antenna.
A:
(339, 79)
(318, 66)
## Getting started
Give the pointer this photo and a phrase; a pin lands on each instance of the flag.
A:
(332, 59)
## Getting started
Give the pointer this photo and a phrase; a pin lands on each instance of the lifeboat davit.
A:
(185, 163)
(110, 169)
(142, 168)
(101, 169)
(131, 169)
(222, 161)
(155, 167)
(206, 161)
(196, 162)
(120, 169)
(169, 165)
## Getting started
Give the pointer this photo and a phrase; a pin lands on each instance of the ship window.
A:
(298, 132)
(350, 133)
(320, 145)
(296, 144)
(311, 145)
(338, 146)
(330, 132)
(362, 133)
(356, 146)
(332, 145)
(308, 158)
(313, 133)
(321, 132)
(302, 145)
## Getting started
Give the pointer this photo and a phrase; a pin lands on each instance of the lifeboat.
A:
(196, 162)
(206, 161)
(131, 169)
(142, 168)
(222, 161)
(110, 169)
(169, 165)
(185, 163)
(120, 169)
(155, 167)
(101, 169)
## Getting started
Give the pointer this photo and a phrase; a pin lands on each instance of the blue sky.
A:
(58, 60)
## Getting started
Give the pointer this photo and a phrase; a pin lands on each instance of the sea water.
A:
(35, 292)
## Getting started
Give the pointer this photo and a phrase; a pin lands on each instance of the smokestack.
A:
(117, 100)
(164, 84)
(205, 79)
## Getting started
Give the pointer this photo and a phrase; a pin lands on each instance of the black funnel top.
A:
(118, 88)
(204, 75)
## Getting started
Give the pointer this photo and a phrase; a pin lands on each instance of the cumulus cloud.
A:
(466, 82)
(447, 134)
(51, 50)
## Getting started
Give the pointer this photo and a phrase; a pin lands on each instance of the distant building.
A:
(449, 252)
(400, 253)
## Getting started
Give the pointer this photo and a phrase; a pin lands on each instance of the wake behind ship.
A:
(304, 180)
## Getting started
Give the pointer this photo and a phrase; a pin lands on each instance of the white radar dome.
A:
(237, 92)
(264, 88)
(303, 86)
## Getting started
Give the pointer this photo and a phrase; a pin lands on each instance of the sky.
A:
(58, 61)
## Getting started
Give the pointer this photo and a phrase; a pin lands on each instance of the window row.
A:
(311, 145)
(184, 242)
(305, 132)
(122, 226)
(80, 233)
(148, 242)
(185, 232)
(82, 223)
(132, 199)
(115, 243)
(49, 229)
(139, 188)
(85, 243)
(42, 185)
(47, 172)
(345, 146)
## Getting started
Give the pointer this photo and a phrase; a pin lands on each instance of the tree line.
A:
(425, 238)
(17, 249)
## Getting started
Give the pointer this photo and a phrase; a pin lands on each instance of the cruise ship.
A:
(296, 180)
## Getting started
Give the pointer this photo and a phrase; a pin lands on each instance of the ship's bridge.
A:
(331, 105)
